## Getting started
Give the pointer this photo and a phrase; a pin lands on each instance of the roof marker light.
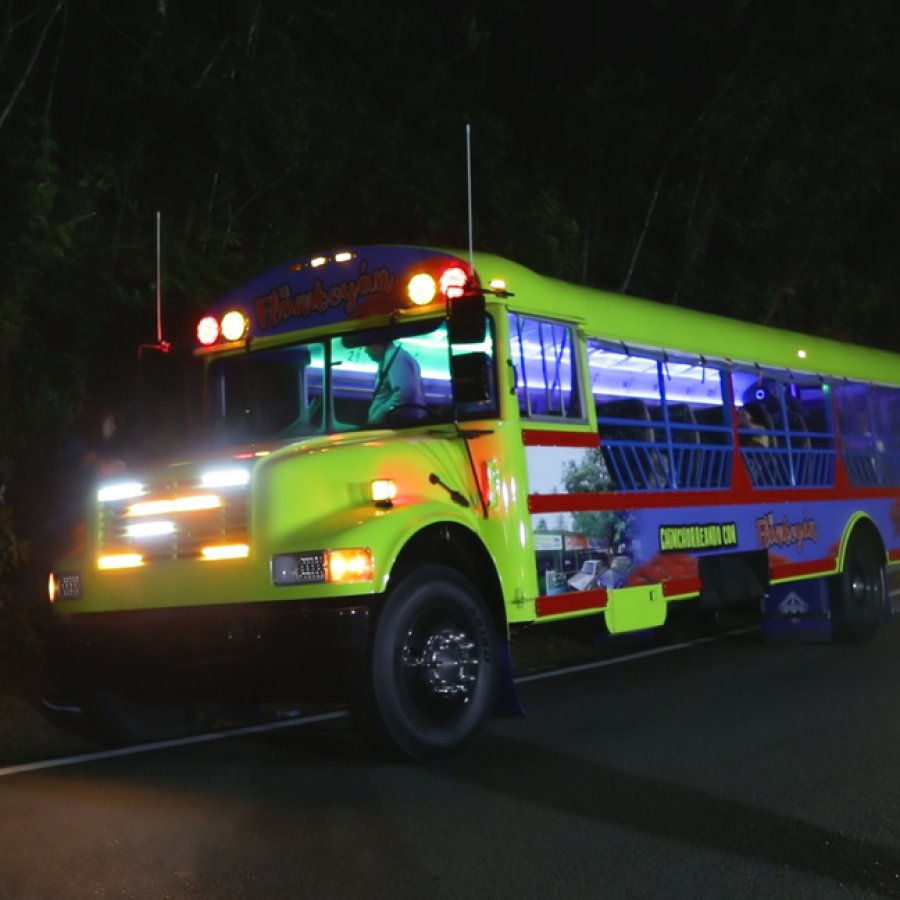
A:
(318, 261)
(344, 256)
(207, 331)
(234, 325)
(421, 289)
(453, 282)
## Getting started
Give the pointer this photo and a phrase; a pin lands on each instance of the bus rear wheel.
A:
(432, 669)
(858, 593)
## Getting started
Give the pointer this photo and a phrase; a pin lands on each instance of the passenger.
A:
(399, 395)
(859, 435)
(749, 426)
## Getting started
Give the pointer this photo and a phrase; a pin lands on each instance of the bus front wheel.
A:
(858, 593)
(432, 669)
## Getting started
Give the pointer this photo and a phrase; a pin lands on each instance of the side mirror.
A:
(466, 323)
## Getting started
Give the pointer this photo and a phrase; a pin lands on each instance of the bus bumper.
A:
(258, 651)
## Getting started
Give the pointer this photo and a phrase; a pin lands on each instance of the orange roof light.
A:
(421, 289)
(234, 325)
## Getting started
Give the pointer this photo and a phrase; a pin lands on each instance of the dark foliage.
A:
(736, 157)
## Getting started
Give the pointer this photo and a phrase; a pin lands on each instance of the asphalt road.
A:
(723, 769)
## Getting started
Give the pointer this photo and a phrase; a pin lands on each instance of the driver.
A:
(398, 389)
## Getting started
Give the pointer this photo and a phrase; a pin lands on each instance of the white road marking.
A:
(163, 745)
(337, 714)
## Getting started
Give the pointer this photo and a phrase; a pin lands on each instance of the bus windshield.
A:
(391, 377)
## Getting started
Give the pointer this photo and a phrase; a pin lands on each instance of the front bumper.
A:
(266, 650)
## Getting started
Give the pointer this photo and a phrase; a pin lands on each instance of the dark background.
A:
(737, 156)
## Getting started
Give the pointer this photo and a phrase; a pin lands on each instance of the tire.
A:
(858, 594)
(432, 669)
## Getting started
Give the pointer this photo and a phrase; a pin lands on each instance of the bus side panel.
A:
(600, 543)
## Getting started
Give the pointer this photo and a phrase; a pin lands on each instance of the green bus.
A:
(305, 546)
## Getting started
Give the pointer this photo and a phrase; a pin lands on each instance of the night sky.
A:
(738, 156)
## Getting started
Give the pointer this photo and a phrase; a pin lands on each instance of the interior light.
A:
(225, 551)
(350, 565)
(234, 325)
(421, 289)
(207, 331)
(120, 561)
(453, 281)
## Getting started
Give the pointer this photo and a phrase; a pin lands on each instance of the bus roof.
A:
(639, 323)
(335, 288)
(340, 286)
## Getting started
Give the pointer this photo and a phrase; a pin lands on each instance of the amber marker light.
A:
(120, 561)
(64, 586)
(349, 565)
(179, 505)
(234, 325)
(225, 551)
(384, 491)
(421, 289)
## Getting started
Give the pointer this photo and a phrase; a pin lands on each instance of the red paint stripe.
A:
(559, 604)
(785, 571)
(680, 587)
(590, 502)
(532, 437)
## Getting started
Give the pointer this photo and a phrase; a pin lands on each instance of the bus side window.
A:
(542, 352)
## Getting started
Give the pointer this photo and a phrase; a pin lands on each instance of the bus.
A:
(572, 452)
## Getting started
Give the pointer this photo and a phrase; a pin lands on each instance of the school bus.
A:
(305, 547)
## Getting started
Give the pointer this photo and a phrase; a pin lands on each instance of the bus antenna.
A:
(162, 345)
(469, 191)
